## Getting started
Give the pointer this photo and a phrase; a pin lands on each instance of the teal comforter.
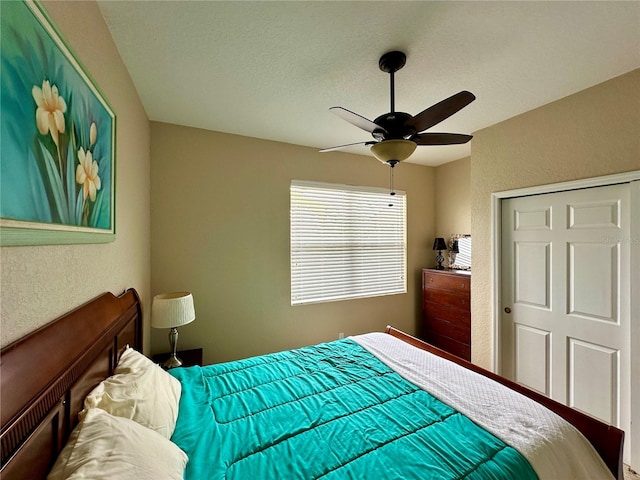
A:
(330, 411)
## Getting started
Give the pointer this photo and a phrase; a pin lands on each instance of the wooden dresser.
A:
(446, 310)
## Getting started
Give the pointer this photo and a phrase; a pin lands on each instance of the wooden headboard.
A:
(45, 376)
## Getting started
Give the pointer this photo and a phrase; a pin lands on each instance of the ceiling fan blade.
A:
(440, 111)
(342, 147)
(355, 119)
(440, 138)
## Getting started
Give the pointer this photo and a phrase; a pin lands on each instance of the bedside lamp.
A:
(172, 310)
(439, 244)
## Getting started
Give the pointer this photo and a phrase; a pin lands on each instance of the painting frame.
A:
(58, 153)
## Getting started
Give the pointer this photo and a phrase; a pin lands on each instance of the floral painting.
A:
(57, 134)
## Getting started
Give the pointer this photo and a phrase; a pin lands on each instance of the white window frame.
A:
(347, 242)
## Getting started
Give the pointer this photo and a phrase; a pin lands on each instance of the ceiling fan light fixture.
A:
(388, 150)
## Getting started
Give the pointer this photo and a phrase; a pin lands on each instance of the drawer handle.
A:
(462, 285)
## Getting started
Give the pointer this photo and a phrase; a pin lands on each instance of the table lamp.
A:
(172, 310)
(439, 244)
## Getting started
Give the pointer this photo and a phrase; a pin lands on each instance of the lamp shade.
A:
(439, 244)
(388, 150)
(172, 310)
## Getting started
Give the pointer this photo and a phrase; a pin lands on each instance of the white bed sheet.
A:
(555, 449)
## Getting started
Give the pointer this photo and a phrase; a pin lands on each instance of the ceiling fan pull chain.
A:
(392, 163)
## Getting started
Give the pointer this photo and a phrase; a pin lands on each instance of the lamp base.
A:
(172, 362)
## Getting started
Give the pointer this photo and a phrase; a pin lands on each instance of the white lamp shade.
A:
(172, 310)
(393, 150)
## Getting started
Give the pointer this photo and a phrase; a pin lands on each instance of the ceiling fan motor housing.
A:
(394, 125)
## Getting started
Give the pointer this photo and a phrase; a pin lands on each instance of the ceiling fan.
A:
(397, 134)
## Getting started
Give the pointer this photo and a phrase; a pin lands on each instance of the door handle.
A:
(507, 310)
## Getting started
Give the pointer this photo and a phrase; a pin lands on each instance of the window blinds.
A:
(346, 242)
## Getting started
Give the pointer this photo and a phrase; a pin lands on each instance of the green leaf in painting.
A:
(101, 216)
(42, 206)
(71, 177)
(56, 185)
(79, 205)
(95, 210)
(40, 165)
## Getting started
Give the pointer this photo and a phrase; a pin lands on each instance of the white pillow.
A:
(106, 447)
(141, 391)
(132, 361)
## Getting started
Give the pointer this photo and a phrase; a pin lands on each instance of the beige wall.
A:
(592, 133)
(40, 283)
(220, 220)
(220, 229)
(453, 199)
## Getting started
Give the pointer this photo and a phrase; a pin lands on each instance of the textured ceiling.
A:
(272, 69)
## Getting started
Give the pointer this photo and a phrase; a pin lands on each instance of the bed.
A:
(46, 376)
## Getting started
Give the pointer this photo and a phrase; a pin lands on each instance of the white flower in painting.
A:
(93, 134)
(87, 174)
(51, 108)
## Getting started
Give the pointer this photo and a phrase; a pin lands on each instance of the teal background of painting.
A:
(29, 56)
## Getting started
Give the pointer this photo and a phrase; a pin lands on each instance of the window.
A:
(346, 242)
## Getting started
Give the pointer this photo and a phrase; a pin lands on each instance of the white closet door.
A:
(566, 298)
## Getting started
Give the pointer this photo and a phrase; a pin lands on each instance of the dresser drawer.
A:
(460, 300)
(453, 315)
(438, 327)
(451, 346)
(443, 281)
